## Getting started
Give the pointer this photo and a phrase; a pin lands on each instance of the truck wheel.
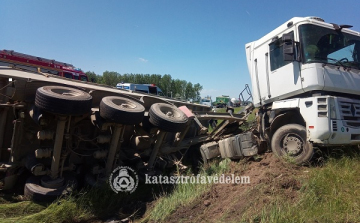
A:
(167, 117)
(290, 141)
(33, 189)
(63, 100)
(121, 110)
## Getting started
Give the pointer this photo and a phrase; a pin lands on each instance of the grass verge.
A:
(88, 205)
(10, 210)
(329, 193)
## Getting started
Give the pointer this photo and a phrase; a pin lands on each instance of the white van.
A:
(206, 101)
(145, 88)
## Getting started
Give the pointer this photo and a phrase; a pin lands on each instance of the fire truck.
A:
(41, 65)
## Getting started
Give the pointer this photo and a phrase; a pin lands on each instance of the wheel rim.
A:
(170, 113)
(292, 144)
(66, 92)
(124, 104)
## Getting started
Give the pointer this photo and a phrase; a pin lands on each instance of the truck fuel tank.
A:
(235, 147)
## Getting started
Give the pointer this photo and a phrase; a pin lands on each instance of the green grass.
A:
(329, 193)
(91, 204)
(19, 209)
(69, 209)
(66, 210)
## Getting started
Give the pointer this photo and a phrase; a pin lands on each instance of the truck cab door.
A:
(283, 76)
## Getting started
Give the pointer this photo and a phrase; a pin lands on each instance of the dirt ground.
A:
(269, 178)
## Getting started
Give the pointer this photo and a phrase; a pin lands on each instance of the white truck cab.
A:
(206, 101)
(305, 78)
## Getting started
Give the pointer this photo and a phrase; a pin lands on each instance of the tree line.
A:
(171, 87)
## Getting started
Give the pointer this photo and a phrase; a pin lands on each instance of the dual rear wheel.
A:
(66, 101)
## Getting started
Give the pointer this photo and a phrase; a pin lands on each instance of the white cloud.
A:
(143, 60)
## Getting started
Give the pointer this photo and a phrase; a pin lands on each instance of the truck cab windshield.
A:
(324, 45)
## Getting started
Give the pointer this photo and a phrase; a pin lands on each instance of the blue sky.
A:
(200, 41)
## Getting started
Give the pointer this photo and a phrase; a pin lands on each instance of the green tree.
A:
(170, 87)
(125, 78)
(110, 78)
(138, 78)
(177, 91)
(189, 91)
(183, 89)
(197, 89)
(92, 77)
(155, 79)
(146, 79)
(99, 79)
(165, 84)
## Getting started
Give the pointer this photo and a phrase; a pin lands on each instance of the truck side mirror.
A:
(288, 47)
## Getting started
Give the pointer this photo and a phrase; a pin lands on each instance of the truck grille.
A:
(350, 112)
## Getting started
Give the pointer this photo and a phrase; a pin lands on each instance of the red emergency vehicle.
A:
(28, 62)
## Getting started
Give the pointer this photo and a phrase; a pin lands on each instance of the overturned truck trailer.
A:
(60, 130)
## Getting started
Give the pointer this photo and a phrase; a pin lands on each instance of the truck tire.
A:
(167, 117)
(63, 100)
(121, 110)
(290, 141)
(34, 191)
